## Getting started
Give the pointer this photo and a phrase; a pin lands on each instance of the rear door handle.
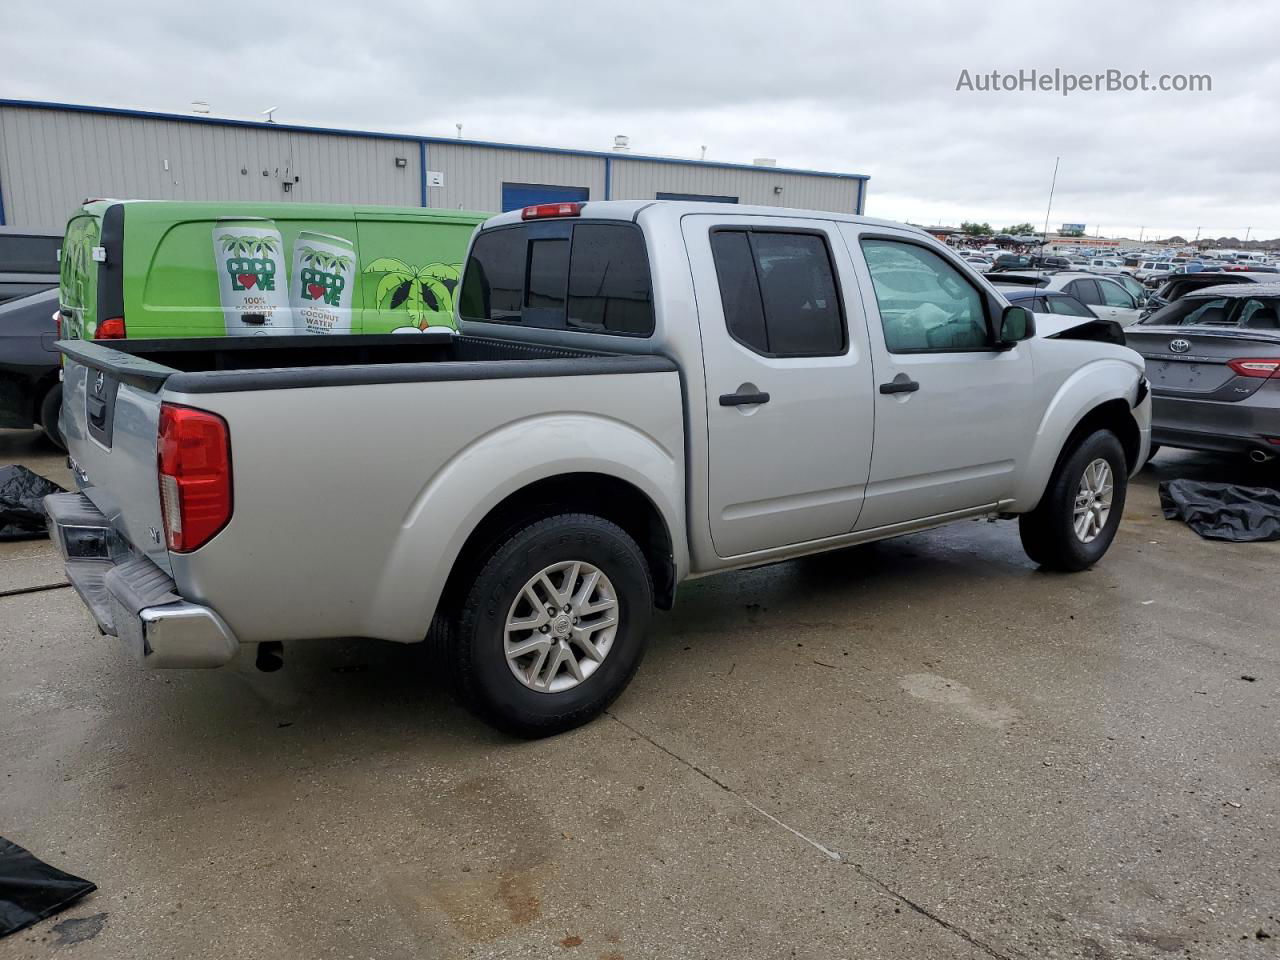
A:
(742, 399)
(900, 386)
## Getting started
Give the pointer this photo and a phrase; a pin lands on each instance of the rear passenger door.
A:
(788, 380)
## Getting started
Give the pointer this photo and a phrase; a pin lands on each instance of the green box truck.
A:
(158, 268)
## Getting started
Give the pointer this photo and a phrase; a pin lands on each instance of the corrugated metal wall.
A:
(637, 179)
(51, 160)
(473, 176)
(54, 157)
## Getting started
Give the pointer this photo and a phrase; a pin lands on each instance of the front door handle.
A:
(742, 399)
(900, 384)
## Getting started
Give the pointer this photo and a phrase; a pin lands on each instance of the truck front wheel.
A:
(1077, 518)
(554, 625)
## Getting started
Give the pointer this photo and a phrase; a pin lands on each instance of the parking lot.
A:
(919, 748)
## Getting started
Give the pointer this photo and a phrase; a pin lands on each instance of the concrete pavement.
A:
(922, 748)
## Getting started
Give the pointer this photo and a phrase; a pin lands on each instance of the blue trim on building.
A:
(608, 180)
(422, 174)
(409, 137)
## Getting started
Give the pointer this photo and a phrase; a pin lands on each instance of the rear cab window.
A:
(778, 289)
(586, 275)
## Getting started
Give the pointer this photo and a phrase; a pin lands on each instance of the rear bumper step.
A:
(129, 596)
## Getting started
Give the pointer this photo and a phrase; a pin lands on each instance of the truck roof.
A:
(675, 209)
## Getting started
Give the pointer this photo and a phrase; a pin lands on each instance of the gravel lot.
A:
(918, 749)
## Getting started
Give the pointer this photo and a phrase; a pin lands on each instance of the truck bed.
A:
(231, 364)
(349, 504)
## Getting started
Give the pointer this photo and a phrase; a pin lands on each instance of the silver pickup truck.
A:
(643, 392)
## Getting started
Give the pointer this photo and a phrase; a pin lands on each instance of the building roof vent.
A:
(621, 144)
(764, 162)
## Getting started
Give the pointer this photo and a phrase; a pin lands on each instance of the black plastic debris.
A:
(1223, 511)
(31, 890)
(22, 515)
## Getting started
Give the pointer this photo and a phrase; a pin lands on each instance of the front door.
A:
(788, 380)
(953, 415)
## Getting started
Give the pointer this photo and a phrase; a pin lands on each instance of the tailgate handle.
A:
(97, 410)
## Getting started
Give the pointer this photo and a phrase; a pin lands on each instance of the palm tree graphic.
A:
(422, 291)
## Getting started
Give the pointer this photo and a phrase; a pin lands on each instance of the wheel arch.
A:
(1098, 397)
(603, 495)
(505, 479)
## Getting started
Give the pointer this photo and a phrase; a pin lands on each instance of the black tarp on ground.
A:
(31, 890)
(1223, 511)
(22, 514)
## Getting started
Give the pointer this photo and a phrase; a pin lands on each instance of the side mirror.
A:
(1016, 325)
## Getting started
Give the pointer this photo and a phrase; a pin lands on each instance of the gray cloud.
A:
(839, 86)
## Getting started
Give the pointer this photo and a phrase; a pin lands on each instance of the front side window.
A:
(926, 305)
(778, 290)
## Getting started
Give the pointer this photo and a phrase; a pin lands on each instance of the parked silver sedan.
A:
(1213, 359)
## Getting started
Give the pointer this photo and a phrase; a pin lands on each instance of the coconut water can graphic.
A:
(323, 283)
(252, 284)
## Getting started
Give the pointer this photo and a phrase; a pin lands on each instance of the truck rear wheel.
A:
(1077, 518)
(553, 626)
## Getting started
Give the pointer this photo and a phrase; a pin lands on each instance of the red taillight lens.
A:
(1263, 367)
(194, 454)
(110, 329)
(540, 211)
(57, 324)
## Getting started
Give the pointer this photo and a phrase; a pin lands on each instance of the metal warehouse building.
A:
(53, 156)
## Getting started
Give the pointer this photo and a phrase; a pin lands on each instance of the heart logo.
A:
(316, 290)
(247, 280)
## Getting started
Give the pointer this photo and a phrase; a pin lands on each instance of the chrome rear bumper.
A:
(129, 596)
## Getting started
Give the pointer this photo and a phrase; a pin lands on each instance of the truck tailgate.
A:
(110, 418)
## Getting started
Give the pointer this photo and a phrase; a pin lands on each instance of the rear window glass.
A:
(609, 280)
(592, 277)
(1193, 311)
(548, 266)
(493, 284)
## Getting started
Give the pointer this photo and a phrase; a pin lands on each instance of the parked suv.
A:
(641, 392)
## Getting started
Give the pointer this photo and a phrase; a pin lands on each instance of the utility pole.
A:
(1141, 231)
(1247, 230)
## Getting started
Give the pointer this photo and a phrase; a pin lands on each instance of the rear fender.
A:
(465, 489)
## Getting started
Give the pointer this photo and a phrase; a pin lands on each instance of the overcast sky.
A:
(834, 86)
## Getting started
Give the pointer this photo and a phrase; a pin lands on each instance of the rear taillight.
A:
(540, 211)
(57, 324)
(110, 329)
(194, 454)
(1263, 367)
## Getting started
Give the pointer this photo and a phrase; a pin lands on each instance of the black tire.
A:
(50, 409)
(475, 651)
(1047, 532)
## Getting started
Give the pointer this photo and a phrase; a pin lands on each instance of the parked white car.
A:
(1100, 264)
(642, 392)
